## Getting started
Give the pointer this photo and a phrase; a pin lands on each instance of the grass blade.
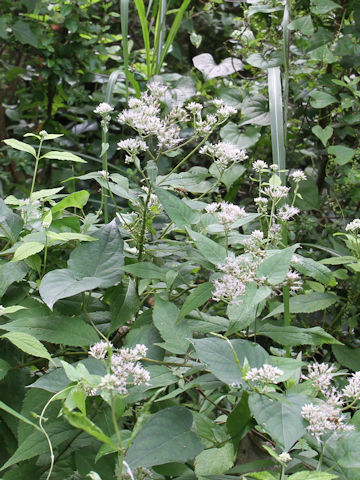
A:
(172, 34)
(286, 58)
(159, 32)
(276, 119)
(124, 18)
(145, 33)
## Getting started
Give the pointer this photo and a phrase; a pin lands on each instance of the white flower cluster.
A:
(144, 116)
(320, 375)
(238, 271)
(204, 126)
(226, 213)
(124, 367)
(286, 212)
(132, 146)
(254, 241)
(324, 417)
(276, 193)
(353, 226)
(266, 374)
(352, 390)
(224, 154)
(103, 109)
(298, 176)
(293, 280)
(260, 166)
(153, 200)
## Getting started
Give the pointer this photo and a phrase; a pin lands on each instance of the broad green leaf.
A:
(193, 180)
(63, 156)
(11, 273)
(342, 154)
(207, 66)
(313, 476)
(324, 134)
(26, 250)
(24, 34)
(80, 421)
(54, 329)
(256, 112)
(239, 421)
(145, 270)
(219, 357)
(215, 461)
(243, 138)
(261, 475)
(348, 453)
(211, 250)
(16, 414)
(311, 268)
(12, 309)
(276, 266)
(4, 368)
(45, 193)
(180, 213)
(124, 305)
(62, 283)
(303, 25)
(200, 295)
(102, 259)
(68, 236)
(321, 99)
(36, 443)
(281, 418)
(23, 147)
(321, 7)
(347, 357)
(27, 343)
(175, 334)
(292, 336)
(166, 437)
(10, 223)
(260, 61)
(76, 200)
(311, 302)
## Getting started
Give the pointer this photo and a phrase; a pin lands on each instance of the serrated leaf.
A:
(62, 283)
(311, 302)
(28, 344)
(145, 270)
(211, 250)
(180, 213)
(79, 420)
(24, 147)
(76, 199)
(54, 155)
(24, 34)
(27, 249)
(275, 267)
(206, 64)
(166, 437)
(311, 268)
(200, 295)
(293, 336)
(11, 273)
(215, 461)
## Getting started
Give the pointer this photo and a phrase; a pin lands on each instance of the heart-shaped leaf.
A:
(323, 133)
(206, 64)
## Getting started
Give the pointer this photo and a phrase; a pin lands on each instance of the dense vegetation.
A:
(180, 239)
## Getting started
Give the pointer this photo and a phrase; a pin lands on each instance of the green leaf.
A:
(342, 154)
(311, 268)
(261, 475)
(321, 7)
(54, 329)
(27, 249)
(281, 419)
(102, 259)
(24, 147)
(260, 61)
(276, 118)
(347, 357)
(324, 134)
(200, 295)
(17, 415)
(321, 99)
(180, 213)
(80, 421)
(4, 368)
(76, 199)
(239, 421)
(313, 476)
(45, 193)
(348, 453)
(207, 66)
(11, 273)
(175, 334)
(292, 336)
(215, 461)
(69, 236)
(62, 283)
(276, 266)
(63, 156)
(24, 34)
(243, 138)
(28, 344)
(166, 437)
(12, 309)
(211, 250)
(303, 25)
(311, 302)
(145, 270)
(219, 357)
(124, 305)
(36, 443)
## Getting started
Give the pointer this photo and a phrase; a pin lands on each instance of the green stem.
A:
(143, 226)
(287, 320)
(118, 437)
(45, 255)
(36, 167)
(105, 167)
(318, 468)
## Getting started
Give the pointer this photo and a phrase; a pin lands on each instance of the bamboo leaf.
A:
(276, 117)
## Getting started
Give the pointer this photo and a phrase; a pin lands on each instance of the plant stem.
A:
(287, 320)
(105, 166)
(36, 167)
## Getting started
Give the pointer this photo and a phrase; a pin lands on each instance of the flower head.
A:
(265, 374)
(353, 226)
(100, 349)
(103, 109)
(298, 176)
